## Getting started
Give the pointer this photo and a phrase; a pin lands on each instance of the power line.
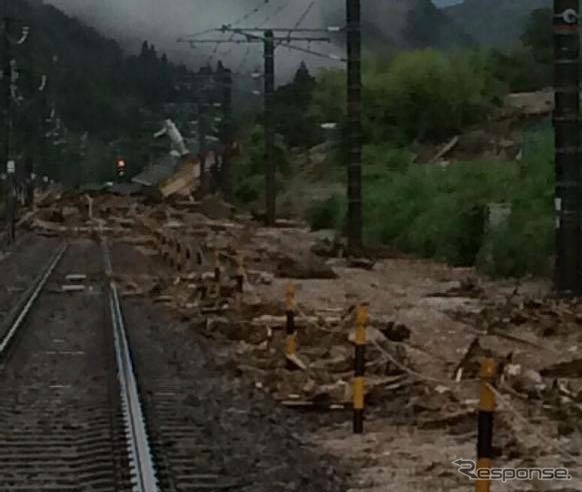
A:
(327, 56)
(270, 42)
(276, 13)
(240, 20)
(304, 15)
(244, 18)
(267, 18)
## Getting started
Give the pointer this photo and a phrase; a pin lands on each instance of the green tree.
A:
(292, 106)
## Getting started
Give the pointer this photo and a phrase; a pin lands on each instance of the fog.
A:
(164, 21)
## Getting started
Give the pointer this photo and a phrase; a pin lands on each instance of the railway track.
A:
(99, 396)
(70, 412)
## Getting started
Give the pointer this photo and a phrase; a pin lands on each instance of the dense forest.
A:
(414, 100)
(103, 103)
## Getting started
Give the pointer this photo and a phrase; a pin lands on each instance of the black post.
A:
(29, 185)
(270, 176)
(202, 130)
(42, 165)
(568, 266)
(354, 223)
(8, 162)
(226, 171)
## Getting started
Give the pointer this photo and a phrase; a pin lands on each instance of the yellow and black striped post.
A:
(217, 273)
(172, 253)
(216, 267)
(163, 246)
(485, 425)
(179, 263)
(239, 283)
(359, 368)
(291, 347)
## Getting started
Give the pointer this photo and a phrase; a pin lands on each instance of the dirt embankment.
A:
(430, 327)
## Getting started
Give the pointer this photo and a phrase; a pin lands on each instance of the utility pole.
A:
(270, 41)
(7, 75)
(270, 167)
(354, 130)
(225, 81)
(568, 159)
(202, 131)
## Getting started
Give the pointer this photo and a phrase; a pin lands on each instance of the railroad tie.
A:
(485, 423)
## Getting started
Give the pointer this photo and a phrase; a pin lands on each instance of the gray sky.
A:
(163, 21)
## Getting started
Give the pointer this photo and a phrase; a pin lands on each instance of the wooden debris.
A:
(213, 309)
(568, 369)
(72, 288)
(164, 299)
(363, 263)
(277, 322)
(296, 361)
(445, 150)
(449, 419)
(76, 277)
(460, 368)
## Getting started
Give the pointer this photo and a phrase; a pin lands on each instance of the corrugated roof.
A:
(154, 175)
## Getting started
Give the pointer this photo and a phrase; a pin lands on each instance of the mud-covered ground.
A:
(431, 325)
(416, 428)
(57, 408)
(20, 266)
(237, 436)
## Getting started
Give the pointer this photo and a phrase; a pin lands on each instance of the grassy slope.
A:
(442, 212)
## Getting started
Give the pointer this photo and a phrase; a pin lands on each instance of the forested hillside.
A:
(405, 24)
(497, 24)
(98, 93)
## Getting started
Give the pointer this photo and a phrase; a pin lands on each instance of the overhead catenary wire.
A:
(240, 20)
(251, 35)
(244, 18)
(284, 5)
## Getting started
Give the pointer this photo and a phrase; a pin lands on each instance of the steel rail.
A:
(21, 312)
(143, 473)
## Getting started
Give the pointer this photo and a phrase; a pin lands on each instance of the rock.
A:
(530, 103)
(373, 335)
(523, 380)
(265, 278)
(364, 263)
(571, 369)
(68, 212)
(340, 392)
(396, 332)
(215, 208)
(304, 266)
(327, 243)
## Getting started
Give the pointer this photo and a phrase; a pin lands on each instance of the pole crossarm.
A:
(283, 41)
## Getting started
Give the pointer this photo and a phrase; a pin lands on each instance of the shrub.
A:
(427, 95)
(327, 214)
(250, 169)
(442, 212)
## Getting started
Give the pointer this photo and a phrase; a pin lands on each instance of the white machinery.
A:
(175, 136)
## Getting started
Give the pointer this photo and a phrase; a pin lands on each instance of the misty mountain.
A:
(396, 24)
(445, 3)
(497, 23)
(95, 96)
(404, 24)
